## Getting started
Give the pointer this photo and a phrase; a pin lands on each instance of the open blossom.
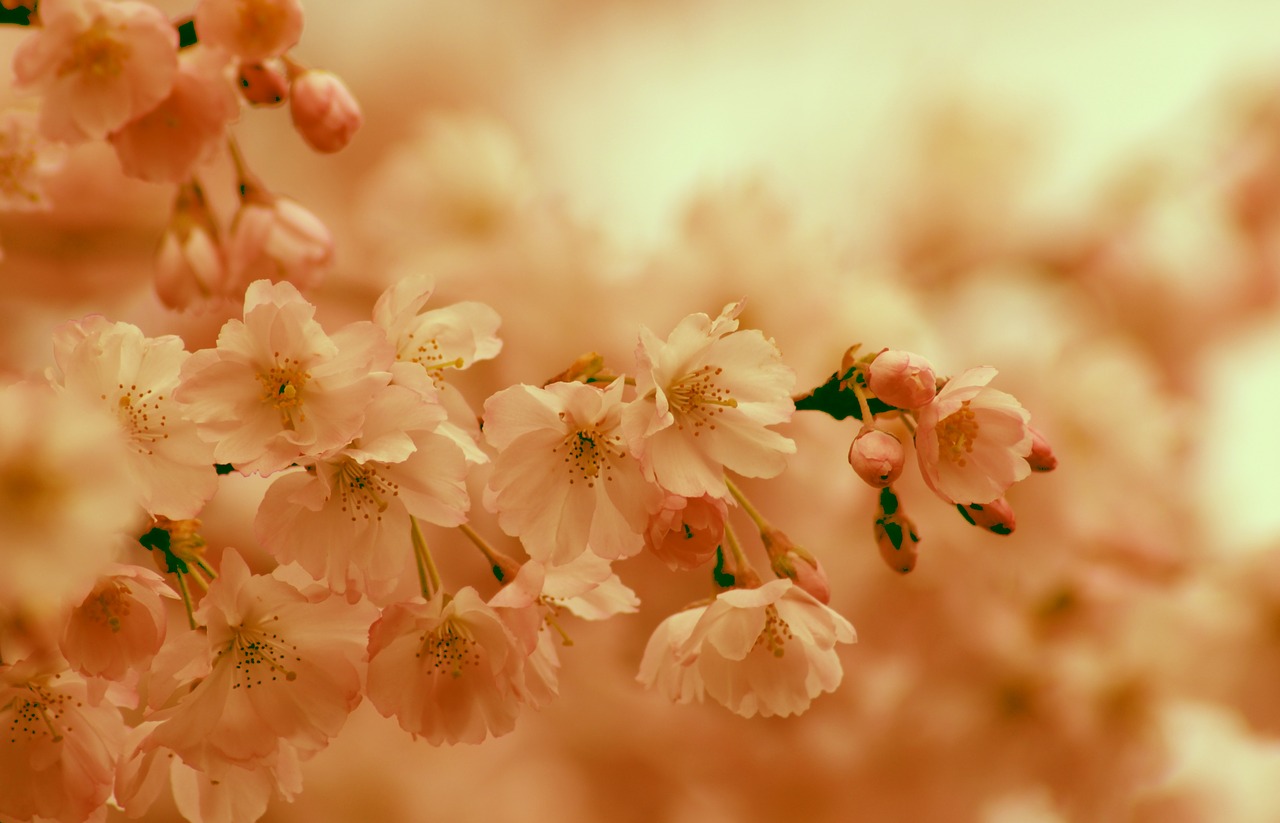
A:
(252, 30)
(276, 238)
(25, 159)
(972, 440)
(133, 377)
(448, 671)
(277, 389)
(706, 399)
(563, 481)
(120, 625)
(167, 143)
(97, 65)
(766, 651)
(686, 531)
(323, 110)
(346, 518)
(59, 746)
(66, 495)
(275, 667)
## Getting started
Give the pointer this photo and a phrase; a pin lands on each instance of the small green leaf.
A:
(223, 468)
(839, 402)
(723, 579)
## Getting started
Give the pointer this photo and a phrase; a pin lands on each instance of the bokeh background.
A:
(1084, 194)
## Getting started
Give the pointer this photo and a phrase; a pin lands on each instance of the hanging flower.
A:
(120, 626)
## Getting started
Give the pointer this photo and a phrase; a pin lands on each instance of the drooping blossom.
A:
(120, 625)
(190, 264)
(563, 481)
(186, 129)
(278, 239)
(252, 30)
(686, 531)
(66, 496)
(133, 377)
(706, 398)
(346, 518)
(59, 745)
(25, 159)
(902, 378)
(97, 65)
(766, 651)
(277, 389)
(276, 666)
(972, 440)
(448, 671)
(323, 110)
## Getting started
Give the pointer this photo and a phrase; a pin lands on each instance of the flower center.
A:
(587, 452)
(282, 388)
(449, 649)
(17, 161)
(141, 416)
(363, 491)
(36, 716)
(109, 604)
(957, 432)
(775, 634)
(428, 355)
(259, 653)
(698, 399)
(96, 53)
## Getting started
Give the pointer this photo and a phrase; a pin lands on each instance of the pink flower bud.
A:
(324, 111)
(895, 534)
(1041, 458)
(902, 379)
(996, 516)
(275, 238)
(262, 85)
(189, 263)
(877, 457)
(790, 560)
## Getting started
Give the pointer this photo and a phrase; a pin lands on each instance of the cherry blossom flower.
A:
(66, 496)
(186, 129)
(323, 110)
(120, 625)
(449, 670)
(706, 398)
(686, 531)
(275, 667)
(877, 457)
(563, 481)
(276, 238)
(97, 64)
(277, 389)
(25, 159)
(972, 440)
(902, 378)
(133, 377)
(252, 30)
(59, 747)
(766, 651)
(262, 84)
(346, 518)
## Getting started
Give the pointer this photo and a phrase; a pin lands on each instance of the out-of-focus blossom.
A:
(25, 159)
(324, 111)
(346, 518)
(766, 651)
(252, 30)
(276, 238)
(686, 531)
(66, 495)
(903, 379)
(59, 748)
(563, 481)
(133, 377)
(877, 456)
(277, 390)
(996, 516)
(97, 64)
(120, 625)
(448, 671)
(186, 129)
(972, 440)
(275, 667)
(706, 397)
(190, 265)
(1041, 458)
(262, 84)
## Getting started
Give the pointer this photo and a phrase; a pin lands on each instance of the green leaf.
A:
(723, 579)
(223, 468)
(839, 402)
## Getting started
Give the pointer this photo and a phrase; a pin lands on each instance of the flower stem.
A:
(503, 567)
(186, 599)
(908, 420)
(428, 575)
(861, 394)
(751, 511)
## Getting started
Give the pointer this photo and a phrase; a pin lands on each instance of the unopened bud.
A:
(324, 111)
(1041, 458)
(877, 457)
(895, 534)
(789, 560)
(262, 85)
(902, 379)
(996, 516)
